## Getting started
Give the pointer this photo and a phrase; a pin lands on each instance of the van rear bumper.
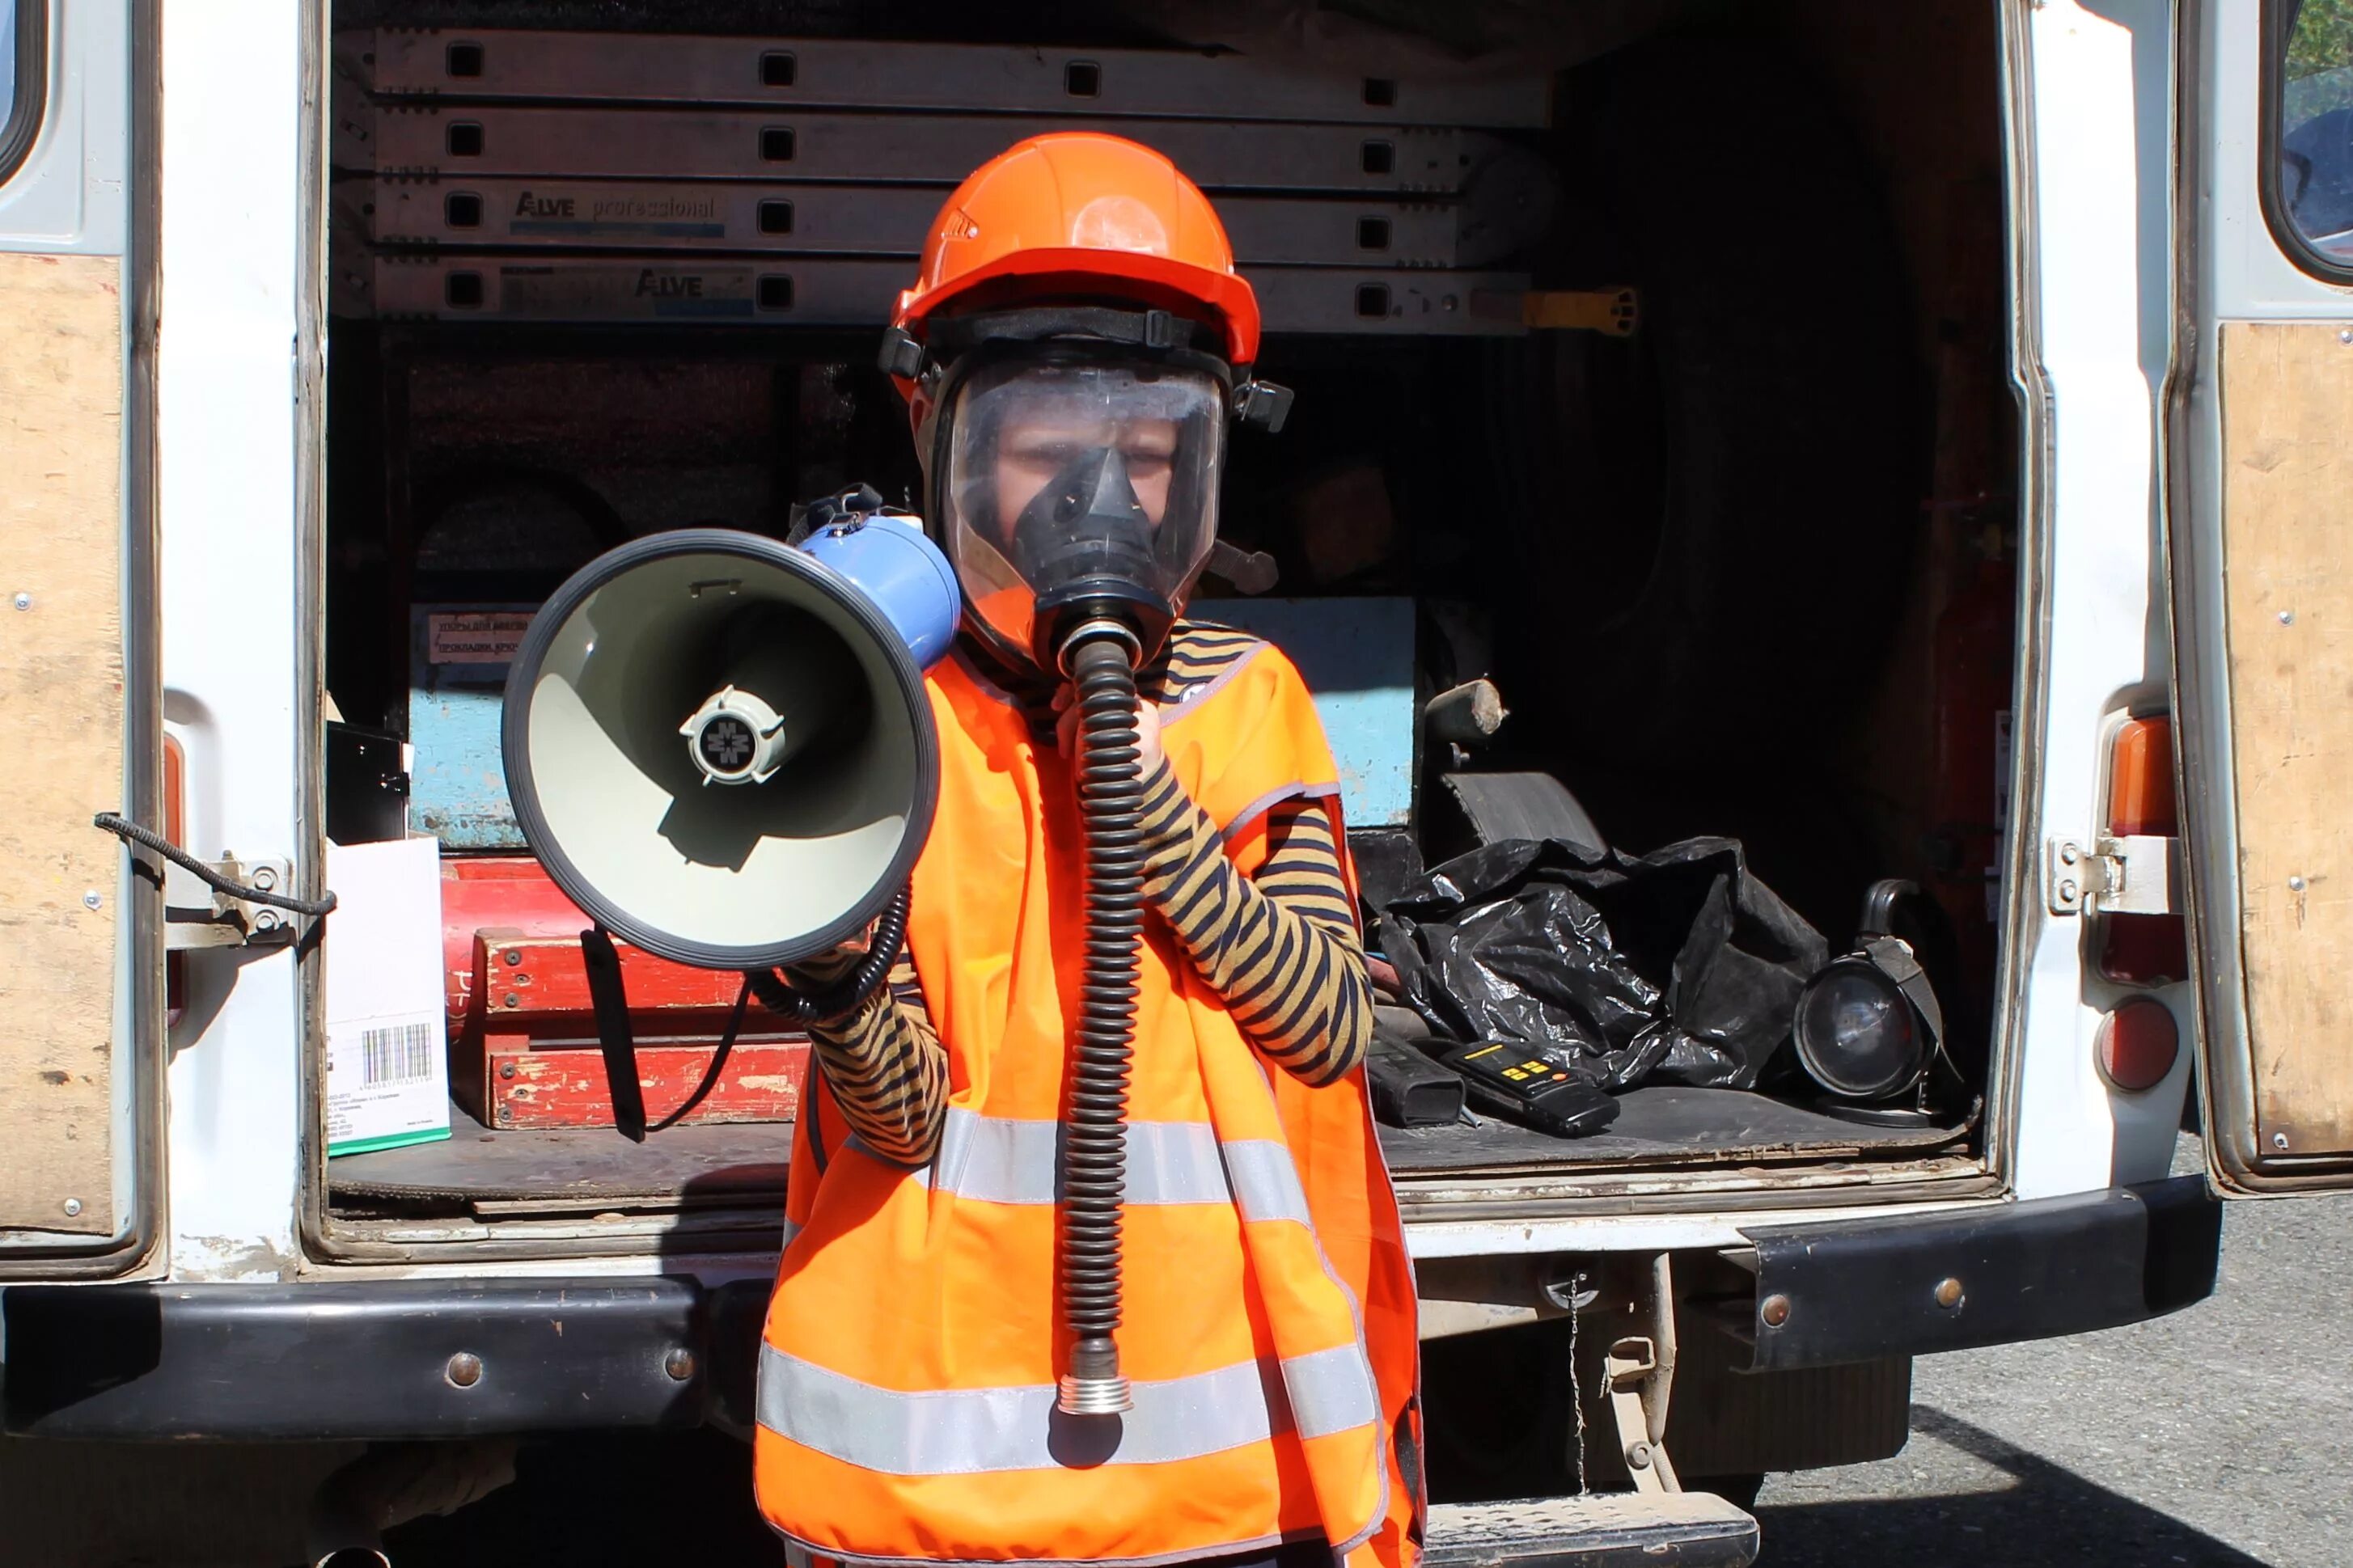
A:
(317, 1361)
(453, 1358)
(1898, 1286)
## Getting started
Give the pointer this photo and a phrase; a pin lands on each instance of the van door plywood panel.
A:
(61, 721)
(2287, 554)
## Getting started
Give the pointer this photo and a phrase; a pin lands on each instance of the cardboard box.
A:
(387, 1081)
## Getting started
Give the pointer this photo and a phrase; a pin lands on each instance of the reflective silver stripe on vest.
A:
(1005, 1160)
(980, 1431)
(1000, 1160)
(792, 1229)
(799, 1553)
(1266, 1180)
(1331, 1391)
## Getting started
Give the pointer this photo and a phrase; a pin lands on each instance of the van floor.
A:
(507, 1174)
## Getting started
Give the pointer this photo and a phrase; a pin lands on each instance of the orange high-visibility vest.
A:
(907, 1378)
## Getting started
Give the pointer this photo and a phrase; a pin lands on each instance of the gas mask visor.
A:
(1079, 487)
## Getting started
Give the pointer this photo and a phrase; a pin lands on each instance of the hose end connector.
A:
(1100, 627)
(1094, 1385)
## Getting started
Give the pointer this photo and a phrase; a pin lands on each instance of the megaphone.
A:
(719, 745)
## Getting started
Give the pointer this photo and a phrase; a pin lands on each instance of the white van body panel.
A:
(2097, 143)
(66, 199)
(234, 249)
(2236, 272)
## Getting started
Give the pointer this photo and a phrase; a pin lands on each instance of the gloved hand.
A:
(824, 969)
(858, 500)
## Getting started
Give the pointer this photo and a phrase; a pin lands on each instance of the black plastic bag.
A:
(1673, 968)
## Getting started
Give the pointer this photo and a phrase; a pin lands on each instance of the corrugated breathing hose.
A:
(1101, 658)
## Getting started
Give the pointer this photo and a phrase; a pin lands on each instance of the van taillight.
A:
(176, 796)
(2138, 1042)
(2142, 950)
(176, 791)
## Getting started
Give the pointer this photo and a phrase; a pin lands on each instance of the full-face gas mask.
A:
(1078, 483)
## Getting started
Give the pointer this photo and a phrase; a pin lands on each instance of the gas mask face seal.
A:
(1072, 485)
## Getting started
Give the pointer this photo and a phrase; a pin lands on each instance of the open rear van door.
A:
(81, 729)
(2262, 493)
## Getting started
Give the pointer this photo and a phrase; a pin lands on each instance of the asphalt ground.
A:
(2221, 1436)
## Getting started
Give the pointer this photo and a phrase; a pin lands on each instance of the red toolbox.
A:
(523, 1047)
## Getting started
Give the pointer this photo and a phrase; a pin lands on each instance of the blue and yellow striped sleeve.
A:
(1280, 946)
(887, 1068)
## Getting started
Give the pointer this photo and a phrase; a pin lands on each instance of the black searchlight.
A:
(1868, 1025)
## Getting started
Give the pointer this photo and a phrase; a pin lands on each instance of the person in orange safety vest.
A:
(1075, 347)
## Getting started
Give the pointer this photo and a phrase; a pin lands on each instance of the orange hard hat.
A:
(1078, 214)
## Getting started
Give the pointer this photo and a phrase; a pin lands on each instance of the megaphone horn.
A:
(719, 744)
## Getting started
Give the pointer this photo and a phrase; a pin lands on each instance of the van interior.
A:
(1721, 496)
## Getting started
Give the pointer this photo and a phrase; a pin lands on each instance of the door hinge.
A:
(2136, 874)
(196, 915)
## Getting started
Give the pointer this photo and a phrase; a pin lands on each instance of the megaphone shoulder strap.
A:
(615, 1038)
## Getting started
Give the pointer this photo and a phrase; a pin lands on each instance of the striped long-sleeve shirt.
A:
(1279, 945)
(887, 1067)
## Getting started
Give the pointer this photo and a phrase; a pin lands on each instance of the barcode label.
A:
(398, 1052)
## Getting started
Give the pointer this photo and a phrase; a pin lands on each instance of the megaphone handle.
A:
(849, 993)
(613, 1035)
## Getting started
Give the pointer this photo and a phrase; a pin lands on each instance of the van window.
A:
(2311, 112)
(24, 62)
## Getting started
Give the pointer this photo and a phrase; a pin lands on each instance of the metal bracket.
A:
(2132, 875)
(1641, 1373)
(196, 916)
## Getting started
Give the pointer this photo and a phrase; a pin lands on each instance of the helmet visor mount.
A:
(1068, 482)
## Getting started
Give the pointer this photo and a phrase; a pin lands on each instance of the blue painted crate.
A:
(457, 656)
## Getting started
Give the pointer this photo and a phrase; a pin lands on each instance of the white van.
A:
(1880, 434)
